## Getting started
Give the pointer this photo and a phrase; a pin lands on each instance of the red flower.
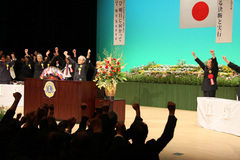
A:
(117, 68)
(111, 67)
(100, 67)
(107, 61)
(117, 63)
(114, 59)
(106, 66)
(103, 72)
(114, 71)
(111, 74)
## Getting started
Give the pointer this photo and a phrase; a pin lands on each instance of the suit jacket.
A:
(237, 69)
(23, 70)
(5, 76)
(80, 71)
(63, 64)
(206, 85)
(39, 67)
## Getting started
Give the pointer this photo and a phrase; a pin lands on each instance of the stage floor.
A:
(190, 142)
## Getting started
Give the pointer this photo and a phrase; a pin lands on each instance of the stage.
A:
(190, 141)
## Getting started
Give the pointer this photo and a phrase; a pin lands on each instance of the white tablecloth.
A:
(219, 114)
(6, 94)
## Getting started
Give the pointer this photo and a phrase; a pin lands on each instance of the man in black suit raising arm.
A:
(80, 68)
(234, 67)
(209, 85)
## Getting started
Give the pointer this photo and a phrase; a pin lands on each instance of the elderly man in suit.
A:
(81, 67)
(209, 85)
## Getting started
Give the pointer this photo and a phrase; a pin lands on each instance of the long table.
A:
(6, 94)
(219, 114)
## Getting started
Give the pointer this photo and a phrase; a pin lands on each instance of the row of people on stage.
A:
(209, 85)
(37, 135)
(32, 66)
(77, 68)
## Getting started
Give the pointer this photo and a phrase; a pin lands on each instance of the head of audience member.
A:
(1, 52)
(39, 57)
(8, 58)
(3, 58)
(81, 60)
(209, 63)
(139, 132)
(80, 140)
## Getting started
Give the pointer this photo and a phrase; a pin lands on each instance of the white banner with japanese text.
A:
(224, 21)
(119, 22)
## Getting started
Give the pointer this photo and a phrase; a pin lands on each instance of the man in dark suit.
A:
(5, 66)
(209, 85)
(80, 68)
(24, 68)
(65, 65)
(234, 67)
(39, 65)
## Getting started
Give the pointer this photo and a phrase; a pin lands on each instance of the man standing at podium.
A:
(80, 68)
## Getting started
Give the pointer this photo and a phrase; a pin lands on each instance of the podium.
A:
(66, 96)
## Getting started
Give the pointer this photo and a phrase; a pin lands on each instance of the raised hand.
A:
(84, 106)
(171, 108)
(212, 53)
(17, 96)
(225, 59)
(89, 52)
(47, 53)
(136, 106)
(26, 51)
(194, 55)
(65, 53)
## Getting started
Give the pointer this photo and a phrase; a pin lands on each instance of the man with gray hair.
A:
(80, 68)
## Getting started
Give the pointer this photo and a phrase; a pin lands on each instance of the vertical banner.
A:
(224, 21)
(119, 22)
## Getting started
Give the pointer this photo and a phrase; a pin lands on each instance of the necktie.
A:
(67, 70)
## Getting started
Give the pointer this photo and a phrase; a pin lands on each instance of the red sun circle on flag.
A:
(200, 11)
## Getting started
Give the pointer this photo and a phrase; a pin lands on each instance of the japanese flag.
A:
(198, 13)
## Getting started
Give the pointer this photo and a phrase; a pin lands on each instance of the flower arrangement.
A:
(109, 71)
(182, 73)
(2, 112)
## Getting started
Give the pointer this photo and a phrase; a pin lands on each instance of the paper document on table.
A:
(209, 108)
(226, 111)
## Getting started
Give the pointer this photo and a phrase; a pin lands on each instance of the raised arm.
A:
(232, 65)
(48, 58)
(214, 59)
(11, 111)
(69, 58)
(169, 129)
(74, 55)
(201, 64)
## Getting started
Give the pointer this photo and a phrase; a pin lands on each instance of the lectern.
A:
(66, 96)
